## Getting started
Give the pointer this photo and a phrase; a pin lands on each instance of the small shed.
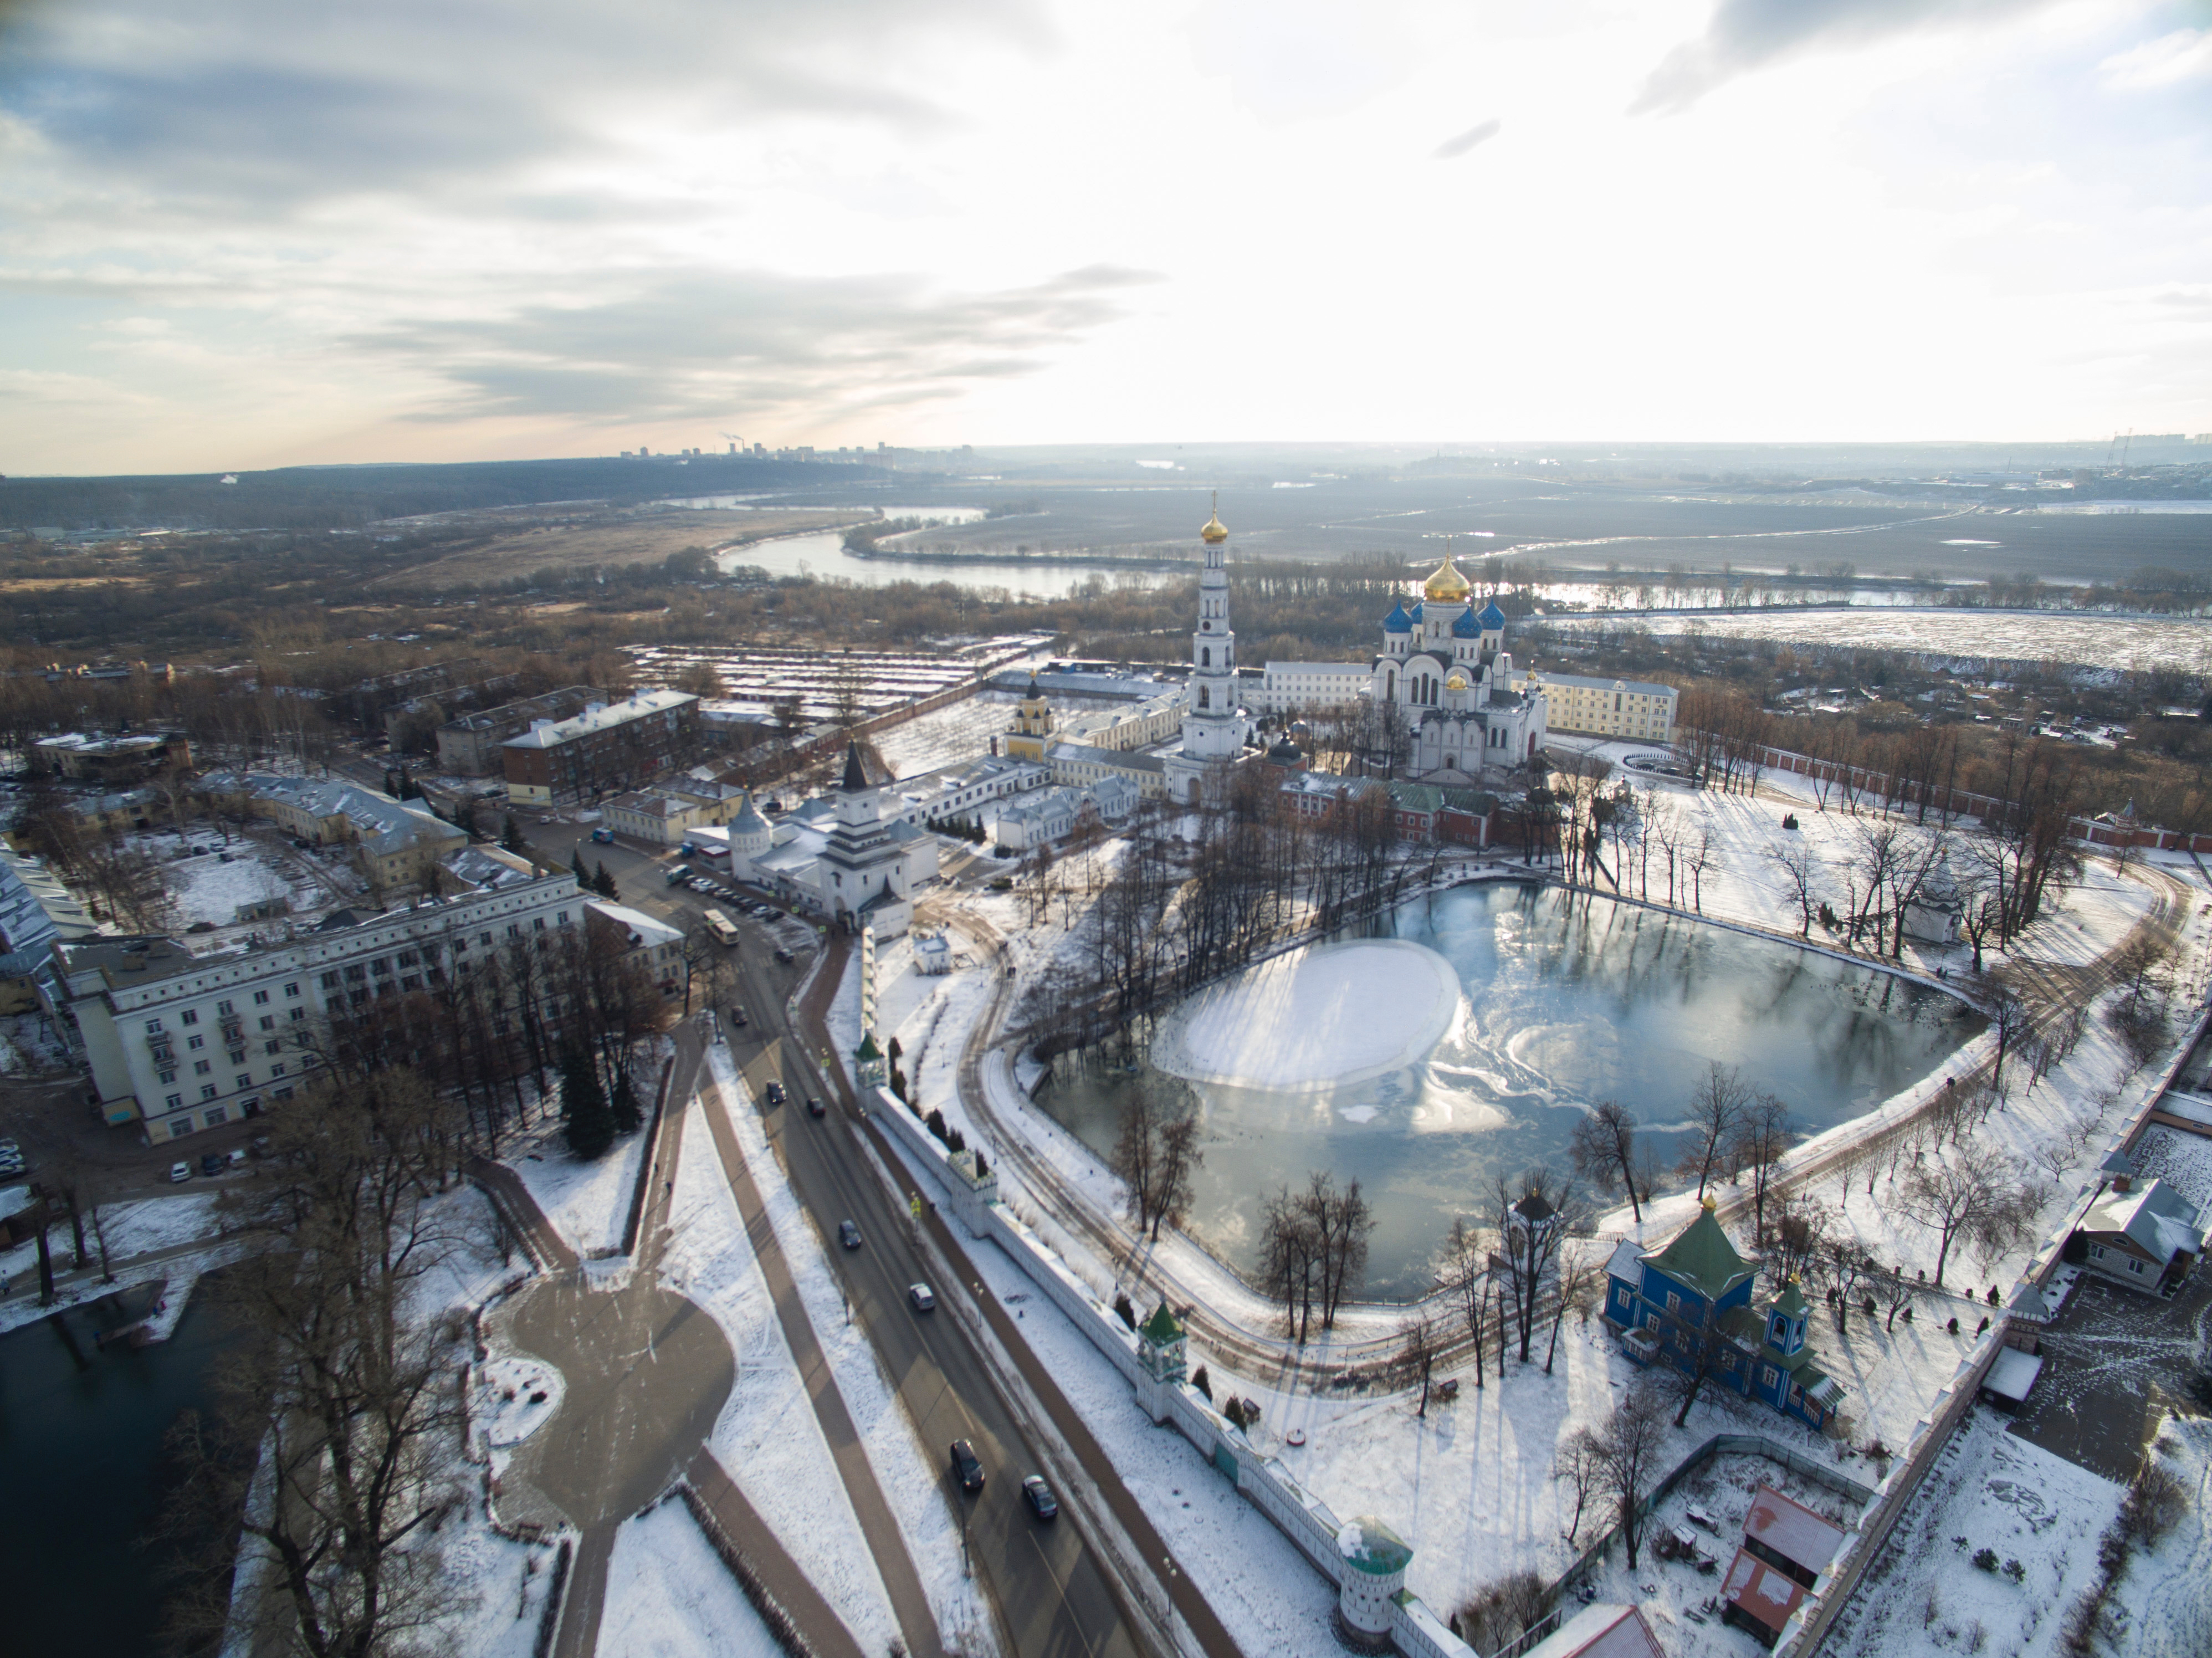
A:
(1758, 1598)
(2009, 1377)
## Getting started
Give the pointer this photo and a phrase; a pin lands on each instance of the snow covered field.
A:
(948, 736)
(2137, 643)
(1989, 1490)
(669, 1595)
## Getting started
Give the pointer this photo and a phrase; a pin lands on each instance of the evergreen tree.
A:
(510, 836)
(584, 1102)
(628, 1116)
(603, 884)
(576, 863)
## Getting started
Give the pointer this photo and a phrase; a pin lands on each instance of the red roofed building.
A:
(1789, 1537)
(1758, 1598)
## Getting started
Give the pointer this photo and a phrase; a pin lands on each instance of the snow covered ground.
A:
(2138, 643)
(1988, 1491)
(669, 1595)
(133, 1229)
(948, 736)
(2167, 1594)
(588, 1203)
(908, 1475)
(29, 1044)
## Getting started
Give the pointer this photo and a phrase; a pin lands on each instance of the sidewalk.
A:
(766, 1561)
(916, 1622)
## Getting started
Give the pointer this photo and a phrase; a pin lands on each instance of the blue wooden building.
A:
(1667, 1303)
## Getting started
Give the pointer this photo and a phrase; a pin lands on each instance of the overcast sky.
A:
(247, 233)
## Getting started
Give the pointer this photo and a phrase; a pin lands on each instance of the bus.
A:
(722, 927)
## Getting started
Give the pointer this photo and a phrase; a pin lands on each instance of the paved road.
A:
(1054, 1597)
(916, 1622)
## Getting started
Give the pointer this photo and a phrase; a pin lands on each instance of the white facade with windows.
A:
(1305, 687)
(185, 1043)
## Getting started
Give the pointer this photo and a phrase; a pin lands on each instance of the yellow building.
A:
(1635, 709)
(1032, 728)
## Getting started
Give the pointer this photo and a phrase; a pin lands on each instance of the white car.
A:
(180, 1171)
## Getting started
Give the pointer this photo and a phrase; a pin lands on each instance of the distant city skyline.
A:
(261, 236)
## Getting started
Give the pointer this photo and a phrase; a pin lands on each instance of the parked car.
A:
(737, 1017)
(606, 837)
(681, 873)
(924, 1298)
(700, 884)
(178, 1171)
(814, 1107)
(1038, 1495)
(260, 1145)
(775, 1094)
(214, 1163)
(784, 956)
(848, 1235)
(967, 1466)
(689, 849)
(237, 1159)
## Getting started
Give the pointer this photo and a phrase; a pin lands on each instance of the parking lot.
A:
(2115, 1360)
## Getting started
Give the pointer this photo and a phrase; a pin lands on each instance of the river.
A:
(1562, 1004)
(80, 1434)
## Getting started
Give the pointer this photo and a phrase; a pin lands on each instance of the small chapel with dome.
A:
(1445, 672)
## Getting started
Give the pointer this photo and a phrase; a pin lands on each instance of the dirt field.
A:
(642, 539)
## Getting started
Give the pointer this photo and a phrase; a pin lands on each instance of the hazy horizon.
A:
(260, 236)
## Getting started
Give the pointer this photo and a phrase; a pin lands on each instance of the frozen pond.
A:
(1559, 1006)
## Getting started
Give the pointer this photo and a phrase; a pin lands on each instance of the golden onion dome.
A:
(1446, 585)
(1215, 530)
(1457, 681)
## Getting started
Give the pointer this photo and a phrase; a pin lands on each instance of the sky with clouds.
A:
(250, 232)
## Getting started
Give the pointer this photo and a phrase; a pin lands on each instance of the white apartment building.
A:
(1306, 687)
(1633, 708)
(185, 1043)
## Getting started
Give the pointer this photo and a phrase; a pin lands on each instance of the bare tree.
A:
(1628, 1449)
(1761, 1138)
(339, 1402)
(1135, 1157)
(1464, 1274)
(1535, 1219)
(1604, 1152)
(1579, 1464)
(1418, 1347)
(1971, 1195)
(1800, 876)
(1716, 1108)
(1581, 1286)
(1180, 1157)
(1290, 1254)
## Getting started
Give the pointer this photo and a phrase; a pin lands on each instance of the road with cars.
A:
(1055, 1596)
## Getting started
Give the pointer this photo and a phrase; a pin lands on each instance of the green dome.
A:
(1370, 1546)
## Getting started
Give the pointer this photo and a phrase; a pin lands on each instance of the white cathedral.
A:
(1444, 671)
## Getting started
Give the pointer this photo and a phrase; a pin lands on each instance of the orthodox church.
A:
(1445, 673)
(1215, 732)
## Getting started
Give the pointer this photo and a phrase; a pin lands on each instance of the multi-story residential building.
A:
(606, 750)
(1304, 686)
(471, 746)
(1636, 709)
(397, 844)
(184, 1042)
(656, 946)
(35, 910)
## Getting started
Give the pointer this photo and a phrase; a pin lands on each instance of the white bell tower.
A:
(1212, 730)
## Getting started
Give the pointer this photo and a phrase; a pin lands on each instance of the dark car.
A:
(775, 1094)
(1038, 1495)
(848, 1235)
(214, 1163)
(738, 1017)
(813, 1106)
(967, 1466)
(784, 956)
